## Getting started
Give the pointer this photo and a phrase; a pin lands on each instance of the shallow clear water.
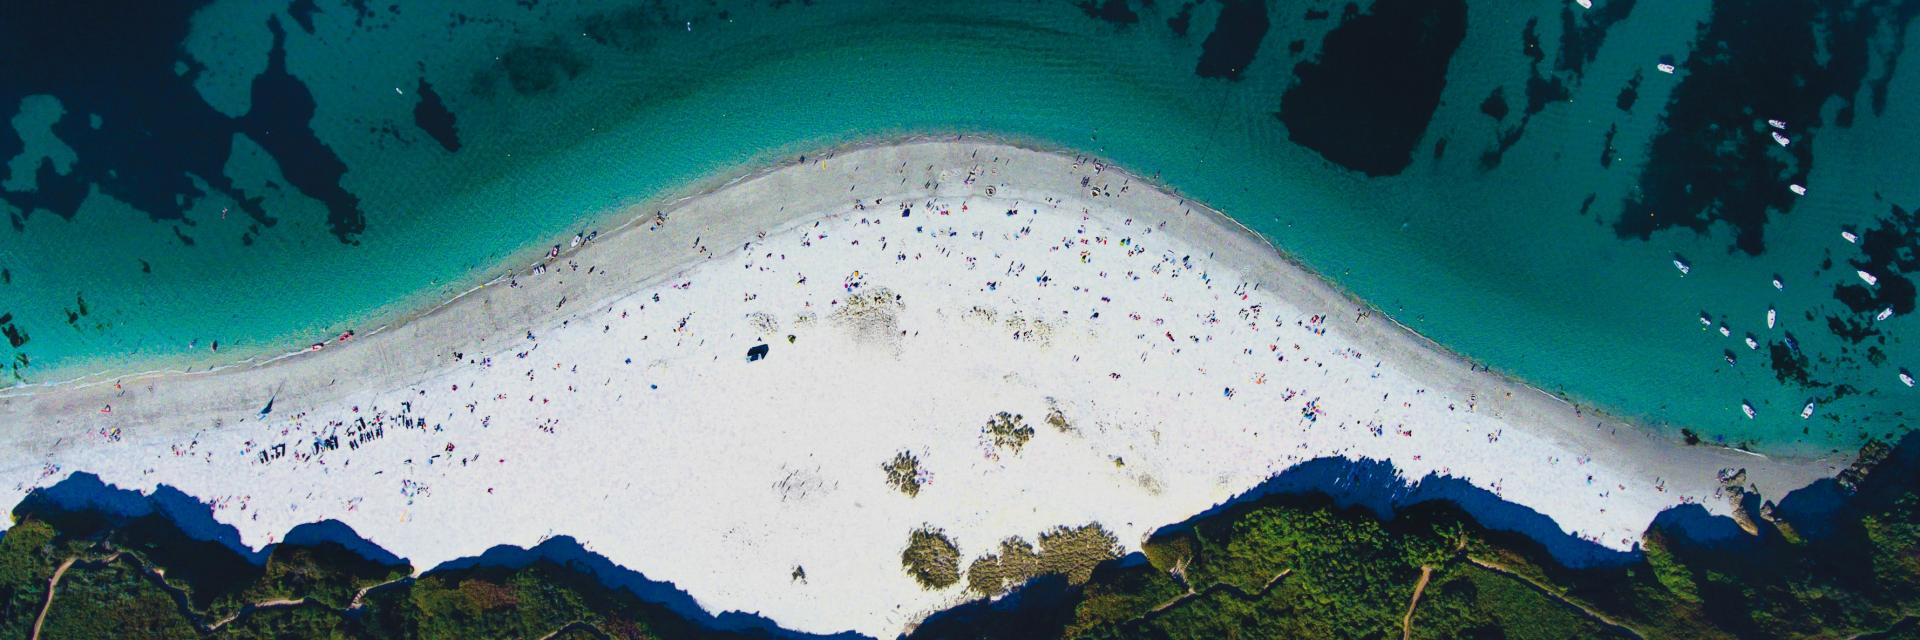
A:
(564, 112)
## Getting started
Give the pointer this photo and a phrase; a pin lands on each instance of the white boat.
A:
(1730, 360)
(1777, 284)
(1906, 378)
(1584, 4)
(1770, 316)
(1869, 278)
(1797, 189)
(1884, 314)
(1849, 237)
(1705, 320)
(1777, 124)
(1725, 331)
(1751, 343)
(1664, 67)
(1682, 266)
(1779, 138)
(1747, 408)
(1807, 411)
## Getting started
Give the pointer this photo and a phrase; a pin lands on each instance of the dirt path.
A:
(51, 585)
(1406, 623)
(1217, 587)
(1594, 615)
(263, 604)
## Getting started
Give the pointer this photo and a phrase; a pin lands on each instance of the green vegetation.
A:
(1058, 420)
(1296, 566)
(1278, 567)
(1008, 430)
(147, 579)
(1070, 552)
(931, 558)
(903, 473)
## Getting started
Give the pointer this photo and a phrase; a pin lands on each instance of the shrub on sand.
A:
(931, 558)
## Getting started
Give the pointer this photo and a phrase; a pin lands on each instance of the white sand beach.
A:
(906, 292)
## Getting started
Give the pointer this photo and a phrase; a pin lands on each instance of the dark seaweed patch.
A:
(1789, 365)
(302, 13)
(1114, 12)
(1235, 40)
(74, 315)
(629, 29)
(279, 122)
(139, 129)
(1580, 39)
(1366, 100)
(1629, 94)
(1890, 251)
(538, 68)
(145, 267)
(1317, 14)
(16, 336)
(1296, 47)
(1711, 160)
(432, 116)
(1851, 329)
(1606, 150)
(1495, 106)
(1181, 20)
(1587, 204)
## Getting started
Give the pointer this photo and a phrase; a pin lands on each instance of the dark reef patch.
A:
(1182, 20)
(1629, 94)
(432, 116)
(1495, 106)
(16, 336)
(1790, 365)
(302, 13)
(279, 122)
(1235, 40)
(1891, 252)
(1580, 39)
(534, 69)
(1851, 329)
(1366, 100)
(1712, 160)
(1115, 12)
(1606, 148)
(629, 29)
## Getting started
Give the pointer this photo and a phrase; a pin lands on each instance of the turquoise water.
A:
(562, 116)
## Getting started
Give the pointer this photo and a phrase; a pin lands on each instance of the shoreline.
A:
(626, 217)
(691, 425)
